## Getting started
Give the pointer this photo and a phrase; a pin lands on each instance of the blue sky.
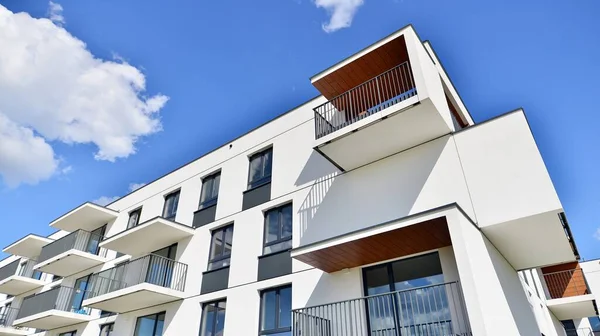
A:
(181, 79)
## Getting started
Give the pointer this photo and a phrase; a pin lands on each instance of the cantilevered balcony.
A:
(88, 216)
(382, 100)
(29, 246)
(19, 277)
(436, 310)
(568, 294)
(71, 254)
(7, 319)
(144, 282)
(56, 308)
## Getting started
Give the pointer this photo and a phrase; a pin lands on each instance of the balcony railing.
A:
(580, 332)
(8, 315)
(17, 268)
(436, 310)
(374, 95)
(566, 283)
(79, 240)
(59, 298)
(152, 269)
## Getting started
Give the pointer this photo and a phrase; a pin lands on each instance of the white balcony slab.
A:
(16, 284)
(52, 319)
(10, 331)
(140, 296)
(29, 246)
(573, 307)
(88, 216)
(147, 237)
(69, 262)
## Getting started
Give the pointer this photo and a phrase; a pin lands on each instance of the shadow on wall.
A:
(174, 308)
(382, 191)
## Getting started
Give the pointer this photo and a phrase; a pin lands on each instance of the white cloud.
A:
(105, 200)
(53, 89)
(55, 13)
(135, 186)
(341, 11)
(597, 234)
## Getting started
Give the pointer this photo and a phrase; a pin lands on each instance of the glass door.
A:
(160, 266)
(407, 297)
(78, 295)
(95, 239)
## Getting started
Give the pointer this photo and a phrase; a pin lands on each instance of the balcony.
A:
(435, 310)
(29, 246)
(144, 282)
(56, 308)
(384, 99)
(19, 277)
(7, 319)
(568, 295)
(147, 237)
(71, 254)
(88, 216)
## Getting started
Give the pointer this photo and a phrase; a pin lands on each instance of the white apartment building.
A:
(378, 208)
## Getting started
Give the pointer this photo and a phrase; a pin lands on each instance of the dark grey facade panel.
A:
(256, 196)
(9, 270)
(274, 265)
(204, 216)
(216, 280)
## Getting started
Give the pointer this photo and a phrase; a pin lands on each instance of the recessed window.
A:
(260, 168)
(68, 333)
(107, 329)
(134, 218)
(171, 202)
(275, 312)
(220, 247)
(278, 229)
(150, 325)
(210, 190)
(213, 318)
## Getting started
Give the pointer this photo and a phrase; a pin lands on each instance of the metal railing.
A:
(60, 298)
(151, 269)
(436, 310)
(566, 283)
(8, 315)
(79, 240)
(19, 268)
(387, 89)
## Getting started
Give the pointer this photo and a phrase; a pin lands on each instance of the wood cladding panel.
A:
(421, 237)
(565, 280)
(364, 68)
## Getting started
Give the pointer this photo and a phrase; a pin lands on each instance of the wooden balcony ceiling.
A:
(364, 68)
(421, 237)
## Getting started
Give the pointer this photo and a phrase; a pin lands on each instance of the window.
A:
(79, 290)
(105, 313)
(213, 318)
(210, 190)
(107, 329)
(220, 247)
(594, 323)
(171, 202)
(134, 218)
(260, 168)
(150, 325)
(68, 333)
(278, 229)
(276, 312)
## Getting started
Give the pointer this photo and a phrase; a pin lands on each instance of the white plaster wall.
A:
(591, 270)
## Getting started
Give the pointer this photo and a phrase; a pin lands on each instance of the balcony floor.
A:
(52, 319)
(135, 297)
(69, 262)
(9, 331)
(16, 284)
(573, 307)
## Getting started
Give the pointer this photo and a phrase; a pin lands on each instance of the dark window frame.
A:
(69, 333)
(265, 178)
(209, 179)
(280, 238)
(223, 230)
(139, 215)
(214, 321)
(155, 316)
(106, 325)
(277, 329)
(166, 197)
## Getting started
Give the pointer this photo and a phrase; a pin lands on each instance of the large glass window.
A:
(171, 203)
(278, 229)
(210, 190)
(150, 325)
(134, 218)
(276, 312)
(213, 318)
(78, 295)
(260, 168)
(107, 329)
(220, 247)
(69, 333)
(96, 236)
